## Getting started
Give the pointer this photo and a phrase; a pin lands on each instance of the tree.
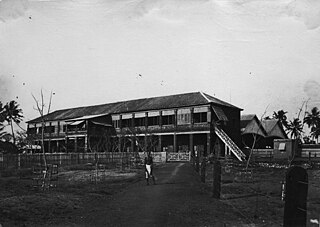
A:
(280, 115)
(295, 128)
(12, 114)
(41, 109)
(2, 119)
(313, 121)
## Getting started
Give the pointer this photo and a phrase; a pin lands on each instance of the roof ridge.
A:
(206, 98)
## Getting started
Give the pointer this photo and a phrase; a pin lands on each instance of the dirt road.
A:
(177, 199)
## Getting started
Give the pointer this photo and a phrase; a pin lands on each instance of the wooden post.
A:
(191, 144)
(216, 179)
(119, 144)
(133, 143)
(208, 144)
(175, 142)
(160, 143)
(76, 144)
(296, 191)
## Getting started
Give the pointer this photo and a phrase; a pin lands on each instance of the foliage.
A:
(295, 128)
(281, 116)
(10, 113)
(312, 119)
(2, 119)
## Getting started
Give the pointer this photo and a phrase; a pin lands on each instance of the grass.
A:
(23, 205)
(258, 198)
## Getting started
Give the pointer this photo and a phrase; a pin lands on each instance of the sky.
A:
(260, 55)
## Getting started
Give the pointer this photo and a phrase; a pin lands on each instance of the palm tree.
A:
(2, 119)
(2, 115)
(280, 115)
(313, 121)
(13, 115)
(295, 128)
(315, 132)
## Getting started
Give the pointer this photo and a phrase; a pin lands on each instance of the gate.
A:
(178, 157)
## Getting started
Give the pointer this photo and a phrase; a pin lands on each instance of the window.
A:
(168, 120)
(184, 116)
(282, 147)
(116, 123)
(64, 128)
(126, 123)
(200, 117)
(32, 130)
(141, 121)
(153, 121)
(49, 129)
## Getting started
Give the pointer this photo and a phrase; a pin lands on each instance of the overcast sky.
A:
(255, 54)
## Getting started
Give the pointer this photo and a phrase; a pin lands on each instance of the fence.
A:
(65, 159)
(304, 154)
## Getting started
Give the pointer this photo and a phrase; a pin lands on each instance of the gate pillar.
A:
(296, 191)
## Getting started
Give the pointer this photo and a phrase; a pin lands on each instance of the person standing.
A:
(148, 163)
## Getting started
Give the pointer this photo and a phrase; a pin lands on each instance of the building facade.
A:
(174, 124)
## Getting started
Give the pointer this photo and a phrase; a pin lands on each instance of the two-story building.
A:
(188, 122)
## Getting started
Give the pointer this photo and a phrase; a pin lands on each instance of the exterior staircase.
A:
(230, 144)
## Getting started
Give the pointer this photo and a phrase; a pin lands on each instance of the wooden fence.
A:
(65, 159)
(305, 154)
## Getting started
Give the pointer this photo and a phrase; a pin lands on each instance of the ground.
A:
(122, 198)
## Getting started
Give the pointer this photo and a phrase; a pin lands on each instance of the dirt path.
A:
(177, 199)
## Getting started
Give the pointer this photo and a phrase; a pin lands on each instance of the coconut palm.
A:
(315, 132)
(280, 115)
(313, 121)
(2, 119)
(2, 115)
(295, 128)
(12, 115)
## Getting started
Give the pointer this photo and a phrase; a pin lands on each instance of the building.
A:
(274, 131)
(183, 123)
(260, 134)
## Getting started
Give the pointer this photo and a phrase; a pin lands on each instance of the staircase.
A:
(230, 144)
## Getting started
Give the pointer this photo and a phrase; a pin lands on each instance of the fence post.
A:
(216, 179)
(296, 191)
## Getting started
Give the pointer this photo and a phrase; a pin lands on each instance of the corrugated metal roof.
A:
(155, 103)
